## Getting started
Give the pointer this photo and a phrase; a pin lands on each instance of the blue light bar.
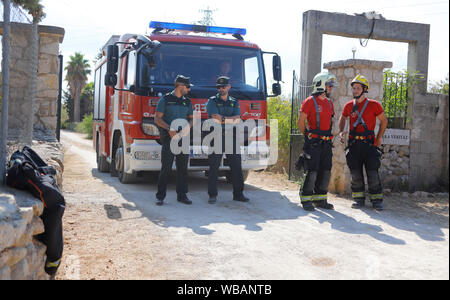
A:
(197, 28)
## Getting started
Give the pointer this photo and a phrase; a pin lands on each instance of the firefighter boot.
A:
(377, 205)
(308, 206)
(358, 203)
(324, 204)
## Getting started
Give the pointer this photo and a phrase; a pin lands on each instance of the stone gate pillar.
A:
(22, 115)
(345, 71)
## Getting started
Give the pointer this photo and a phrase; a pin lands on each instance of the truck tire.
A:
(102, 163)
(119, 161)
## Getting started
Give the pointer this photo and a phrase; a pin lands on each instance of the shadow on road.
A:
(263, 206)
(406, 215)
(344, 223)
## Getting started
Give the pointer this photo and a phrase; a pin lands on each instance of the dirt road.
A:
(115, 231)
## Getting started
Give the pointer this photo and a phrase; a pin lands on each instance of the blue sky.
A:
(274, 26)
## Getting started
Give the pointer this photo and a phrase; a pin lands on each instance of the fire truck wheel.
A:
(119, 161)
(228, 176)
(102, 163)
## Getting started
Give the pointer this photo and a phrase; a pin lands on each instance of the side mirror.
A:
(112, 59)
(276, 64)
(276, 89)
(110, 79)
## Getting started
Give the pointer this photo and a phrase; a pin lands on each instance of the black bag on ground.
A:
(27, 171)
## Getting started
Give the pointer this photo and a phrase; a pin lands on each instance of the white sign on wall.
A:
(398, 137)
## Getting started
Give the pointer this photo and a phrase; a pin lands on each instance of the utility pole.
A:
(207, 17)
(6, 43)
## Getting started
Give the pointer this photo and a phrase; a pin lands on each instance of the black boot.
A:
(308, 206)
(184, 199)
(241, 198)
(377, 205)
(359, 203)
(324, 204)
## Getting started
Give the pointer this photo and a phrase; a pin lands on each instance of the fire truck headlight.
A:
(149, 128)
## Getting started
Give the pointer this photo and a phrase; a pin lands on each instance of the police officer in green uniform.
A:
(173, 106)
(225, 109)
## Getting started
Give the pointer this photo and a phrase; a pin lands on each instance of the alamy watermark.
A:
(250, 137)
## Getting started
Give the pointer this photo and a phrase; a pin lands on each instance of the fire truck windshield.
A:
(203, 64)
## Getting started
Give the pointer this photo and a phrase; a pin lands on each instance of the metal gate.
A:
(396, 99)
(300, 91)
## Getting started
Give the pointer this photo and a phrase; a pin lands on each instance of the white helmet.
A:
(322, 80)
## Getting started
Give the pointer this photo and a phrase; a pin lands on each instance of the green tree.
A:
(396, 96)
(87, 100)
(67, 103)
(280, 109)
(77, 71)
(439, 87)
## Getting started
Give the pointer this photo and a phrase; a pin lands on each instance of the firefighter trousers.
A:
(365, 155)
(167, 158)
(318, 170)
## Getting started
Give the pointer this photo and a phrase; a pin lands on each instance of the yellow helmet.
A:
(321, 80)
(362, 80)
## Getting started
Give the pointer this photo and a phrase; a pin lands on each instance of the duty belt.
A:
(321, 137)
(361, 138)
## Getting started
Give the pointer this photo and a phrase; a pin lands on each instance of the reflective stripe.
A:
(320, 197)
(306, 198)
(376, 196)
(54, 264)
(358, 195)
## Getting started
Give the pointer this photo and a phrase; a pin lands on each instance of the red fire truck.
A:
(138, 69)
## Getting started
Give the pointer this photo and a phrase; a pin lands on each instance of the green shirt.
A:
(174, 108)
(229, 108)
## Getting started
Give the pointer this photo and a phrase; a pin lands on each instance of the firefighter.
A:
(364, 147)
(173, 106)
(318, 112)
(225, 109)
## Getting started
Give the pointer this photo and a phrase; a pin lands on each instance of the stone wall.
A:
(21, 255)
(345, 71)
(394, 170)
(22, 115)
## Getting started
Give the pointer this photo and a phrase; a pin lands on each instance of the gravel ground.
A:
(115, 231)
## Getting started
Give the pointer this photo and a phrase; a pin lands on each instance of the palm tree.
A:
(77, 71)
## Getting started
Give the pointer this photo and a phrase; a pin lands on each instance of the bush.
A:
(280, 109)
(85, 126)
